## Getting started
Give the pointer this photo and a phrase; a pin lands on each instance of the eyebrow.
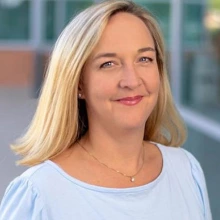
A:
(145, 49)
(141, 50)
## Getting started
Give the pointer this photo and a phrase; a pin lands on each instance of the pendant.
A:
(132, 179)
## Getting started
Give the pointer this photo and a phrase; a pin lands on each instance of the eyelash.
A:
(148, 59)
(103, 65)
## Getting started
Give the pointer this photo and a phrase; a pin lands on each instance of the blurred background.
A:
(29, 28)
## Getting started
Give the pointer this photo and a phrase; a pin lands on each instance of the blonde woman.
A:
(98, 145)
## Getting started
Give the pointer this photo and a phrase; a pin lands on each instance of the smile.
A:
(130, 100)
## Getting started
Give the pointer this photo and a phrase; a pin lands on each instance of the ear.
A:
(80, 90)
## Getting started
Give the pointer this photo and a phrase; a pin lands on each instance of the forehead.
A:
(124, 31)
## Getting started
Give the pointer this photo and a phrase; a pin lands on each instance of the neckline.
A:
(88, 186)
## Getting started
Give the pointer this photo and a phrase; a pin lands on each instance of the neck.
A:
(116, 150)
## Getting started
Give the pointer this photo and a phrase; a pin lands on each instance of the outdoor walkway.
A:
(16, 110)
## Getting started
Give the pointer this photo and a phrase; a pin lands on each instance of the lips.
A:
(130, 100)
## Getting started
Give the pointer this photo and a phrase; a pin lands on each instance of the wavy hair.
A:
(60, 119)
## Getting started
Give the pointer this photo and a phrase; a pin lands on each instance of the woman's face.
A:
(120, 81)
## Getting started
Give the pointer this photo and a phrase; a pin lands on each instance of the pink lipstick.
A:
(130, 100)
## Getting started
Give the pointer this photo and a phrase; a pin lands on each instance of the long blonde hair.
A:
(60, 119)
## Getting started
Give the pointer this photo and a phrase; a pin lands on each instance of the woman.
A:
(98, 144)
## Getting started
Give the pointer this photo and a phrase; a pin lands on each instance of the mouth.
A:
(130, 100)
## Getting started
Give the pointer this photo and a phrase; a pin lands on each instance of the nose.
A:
(130, 78)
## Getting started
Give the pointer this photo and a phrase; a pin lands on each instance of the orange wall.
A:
(17, 67)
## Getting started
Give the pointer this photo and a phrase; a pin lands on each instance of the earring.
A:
(79, 95)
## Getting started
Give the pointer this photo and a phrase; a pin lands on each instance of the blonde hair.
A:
(60, 119)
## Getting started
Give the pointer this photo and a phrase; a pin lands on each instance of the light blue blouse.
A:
(46, 192)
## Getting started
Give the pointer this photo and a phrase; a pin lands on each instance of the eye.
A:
(106, 64)
(145, 59)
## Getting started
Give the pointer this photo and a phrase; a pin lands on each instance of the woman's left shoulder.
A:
(180, 156)
(189, 171)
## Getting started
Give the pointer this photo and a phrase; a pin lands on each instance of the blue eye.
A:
(145, 59)
(106, 64)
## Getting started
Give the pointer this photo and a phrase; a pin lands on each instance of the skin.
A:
(120, 85)
(128, 73)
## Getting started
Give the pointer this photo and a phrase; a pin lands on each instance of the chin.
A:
(132, 124)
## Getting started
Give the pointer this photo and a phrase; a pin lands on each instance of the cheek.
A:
(97, 88)
(153, 82)
(157, 82)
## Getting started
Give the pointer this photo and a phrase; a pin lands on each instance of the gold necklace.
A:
(131, 177)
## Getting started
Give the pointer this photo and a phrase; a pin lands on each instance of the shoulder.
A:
(36, 170)
(40, 177)
(23, 198)
(187, 169)
(182, 161)
(28, 178)
(179, 156)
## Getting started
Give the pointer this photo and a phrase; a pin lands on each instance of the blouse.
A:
(46, 192)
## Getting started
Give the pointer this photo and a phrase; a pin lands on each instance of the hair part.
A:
(61, 119)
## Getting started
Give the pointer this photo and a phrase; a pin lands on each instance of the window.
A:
(50, 20)
(14, 20)
(161, 11)
(207, 151)
(57, 17)
(74, 7)
(201, 59)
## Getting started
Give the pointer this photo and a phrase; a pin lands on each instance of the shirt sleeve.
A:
(22, 201)
(200, 182)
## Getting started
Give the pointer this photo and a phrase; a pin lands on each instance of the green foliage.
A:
(214, 4)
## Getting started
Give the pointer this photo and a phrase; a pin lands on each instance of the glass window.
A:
(207, 151)
(161, 11)
(193, 29)
(14, 20)
(50, 18)
(74, 7)
(201, 59)
(71, 9)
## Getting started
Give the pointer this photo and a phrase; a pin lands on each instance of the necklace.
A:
(131, 177)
